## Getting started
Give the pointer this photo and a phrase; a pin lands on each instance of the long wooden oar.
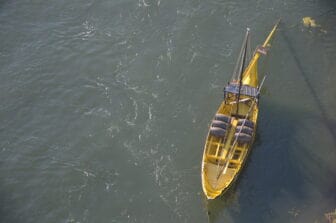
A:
(230, 151)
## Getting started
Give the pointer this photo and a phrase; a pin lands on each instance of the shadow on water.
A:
(324, 118)
(272, 187)
(283, 176)
(328, 122)
(215, 207)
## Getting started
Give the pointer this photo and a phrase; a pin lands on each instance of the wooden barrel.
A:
(218, 132)
(244, 129)
(247, 123)
(243, 138)
(219, 124)
(223, 118)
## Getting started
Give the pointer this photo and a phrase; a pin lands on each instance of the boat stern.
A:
(213, 186)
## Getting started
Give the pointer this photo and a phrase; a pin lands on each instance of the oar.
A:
(236, 138)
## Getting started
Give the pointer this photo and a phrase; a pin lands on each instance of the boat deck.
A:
(218, 183)
(224, 158)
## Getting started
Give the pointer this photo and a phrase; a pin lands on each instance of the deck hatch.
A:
(245, 90)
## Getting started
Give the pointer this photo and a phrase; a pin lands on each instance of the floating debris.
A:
(309, 22)
(331, 216)
(323, 31)
(294, 212)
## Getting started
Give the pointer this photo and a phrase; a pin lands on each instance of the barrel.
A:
(244, 129)
(219, 124)
(247, 123)
(223, 118)
(218, 132)
(243, 138)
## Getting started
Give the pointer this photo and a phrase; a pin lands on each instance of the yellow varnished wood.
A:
(223, 158)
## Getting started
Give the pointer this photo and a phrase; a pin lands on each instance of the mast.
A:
(242, 68)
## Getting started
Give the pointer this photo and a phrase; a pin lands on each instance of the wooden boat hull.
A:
(232, 131)
(215, 178)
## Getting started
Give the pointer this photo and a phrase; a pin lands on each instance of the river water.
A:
(105, 106)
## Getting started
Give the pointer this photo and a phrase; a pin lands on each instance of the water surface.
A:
(105, 106)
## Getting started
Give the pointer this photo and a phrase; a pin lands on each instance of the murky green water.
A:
(105, 107)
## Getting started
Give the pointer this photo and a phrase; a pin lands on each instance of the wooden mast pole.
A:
(242, 69)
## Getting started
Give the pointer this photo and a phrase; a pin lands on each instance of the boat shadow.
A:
(284, 164)
(325, 118)
(275, 172)
(215, 208)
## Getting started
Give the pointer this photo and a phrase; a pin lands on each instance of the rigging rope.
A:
(237, 70)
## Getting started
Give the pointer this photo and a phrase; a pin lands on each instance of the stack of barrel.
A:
(220, 125)
(244, 131)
